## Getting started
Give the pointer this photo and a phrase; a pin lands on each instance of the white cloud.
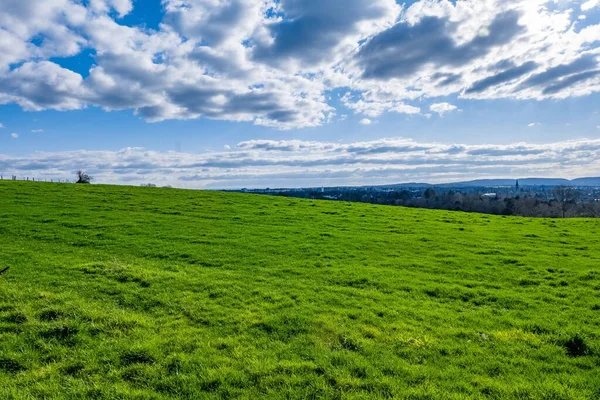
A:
(588, 5)
(122, 7)
(270, 163)
(227, 147)
(375, 103)
(534, 124)
(240, 60)
(37, 130)
(40, 85)
(14, 135)
(442, 108)
(1, 126)
(406, 109)
(365, 121)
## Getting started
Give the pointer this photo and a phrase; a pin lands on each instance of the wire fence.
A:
(32, 179)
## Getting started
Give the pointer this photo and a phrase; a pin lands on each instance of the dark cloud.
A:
(404, 49)
(570, 81)
(502, 77)
(584, 63)
(311, 30)
(196, 100)
(253, 104)
(446, 79)
(257, 102)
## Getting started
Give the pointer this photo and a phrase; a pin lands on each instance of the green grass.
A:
(121, 292)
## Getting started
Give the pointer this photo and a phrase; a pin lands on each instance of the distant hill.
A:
(523, 182)
(507, 182)
(586, 182)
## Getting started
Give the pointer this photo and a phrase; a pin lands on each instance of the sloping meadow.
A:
(122, 292)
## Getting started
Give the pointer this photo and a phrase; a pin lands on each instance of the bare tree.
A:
(566, 197)
(82, 177)
(590, 209)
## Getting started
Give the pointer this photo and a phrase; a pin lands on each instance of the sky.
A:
(296, 93)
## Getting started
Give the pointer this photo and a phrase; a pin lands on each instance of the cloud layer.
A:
(273, 63)
(270, 163)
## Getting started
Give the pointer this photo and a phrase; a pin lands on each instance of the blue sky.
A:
(256, 93)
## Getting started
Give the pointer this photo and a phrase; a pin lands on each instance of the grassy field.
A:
(122, 292)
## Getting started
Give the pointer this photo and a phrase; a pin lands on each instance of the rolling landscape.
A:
(150, 293)
(299, 199)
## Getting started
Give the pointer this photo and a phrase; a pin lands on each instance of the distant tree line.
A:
(559, 202)
(565, 203)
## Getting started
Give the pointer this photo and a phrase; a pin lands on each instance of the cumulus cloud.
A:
(274, 63)
(41, 85)
(365, 121)
(442, 108)
(14, 135)
(406, 48)
(271, 163)
(308, 33)
(479, 50)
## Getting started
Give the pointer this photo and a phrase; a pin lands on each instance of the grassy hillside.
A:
(120, 292)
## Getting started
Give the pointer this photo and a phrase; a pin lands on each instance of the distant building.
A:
(489, 195)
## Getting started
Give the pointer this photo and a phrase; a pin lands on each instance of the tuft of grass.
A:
(14, 318)
(139, 356)
(576, 345)
(11, 366)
